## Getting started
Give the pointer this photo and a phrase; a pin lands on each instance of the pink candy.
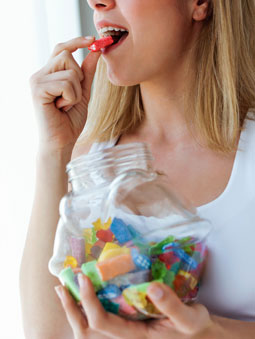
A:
(101, 43)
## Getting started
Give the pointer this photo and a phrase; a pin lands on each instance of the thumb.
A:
(186, 319)
(88, 68)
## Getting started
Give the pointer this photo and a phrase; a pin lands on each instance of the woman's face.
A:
(159, 34)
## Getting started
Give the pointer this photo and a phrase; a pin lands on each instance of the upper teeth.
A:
(109, 28)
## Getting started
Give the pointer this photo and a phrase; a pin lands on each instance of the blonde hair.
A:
(224, 85)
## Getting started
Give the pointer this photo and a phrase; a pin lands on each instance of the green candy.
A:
(169, 278)
(185, 244)
(67, 276)
(158, 269)
(94, 237)
(157, 248)
(90, 270)
(143, 287)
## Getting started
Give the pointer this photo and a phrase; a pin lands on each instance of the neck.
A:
(165, 106)
(168, 113)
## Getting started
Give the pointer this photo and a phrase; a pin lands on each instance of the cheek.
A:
(157, 25)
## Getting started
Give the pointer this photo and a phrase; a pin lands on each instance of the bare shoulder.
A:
(80, 148)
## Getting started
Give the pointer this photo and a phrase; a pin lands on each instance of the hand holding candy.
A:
(182, 321)
(61, 93)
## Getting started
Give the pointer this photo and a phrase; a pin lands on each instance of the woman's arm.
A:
(43, 316)
(61, 93)
(235, 329)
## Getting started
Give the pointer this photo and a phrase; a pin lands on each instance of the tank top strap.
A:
(98, 146)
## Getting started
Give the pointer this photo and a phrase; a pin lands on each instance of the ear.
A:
(201, 9)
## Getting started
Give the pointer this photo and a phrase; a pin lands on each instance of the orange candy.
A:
(111, 268)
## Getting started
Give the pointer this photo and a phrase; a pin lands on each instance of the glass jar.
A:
(124, 228)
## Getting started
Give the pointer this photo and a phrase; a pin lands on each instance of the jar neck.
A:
(102, 167)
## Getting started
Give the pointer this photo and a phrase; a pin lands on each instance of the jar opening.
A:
(104, 165)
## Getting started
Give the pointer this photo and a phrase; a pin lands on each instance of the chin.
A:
(121, 79)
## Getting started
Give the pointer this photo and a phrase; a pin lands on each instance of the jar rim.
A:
(129, 151)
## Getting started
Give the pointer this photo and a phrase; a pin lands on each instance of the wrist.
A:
(51, 170)
(61, 156)
(214, 330)
(217, 328)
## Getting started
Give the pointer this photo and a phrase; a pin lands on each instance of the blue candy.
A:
(140, 260)
(186, 258)
(109, 292)
(110, 306)
(120, 230)
(134, 233)
(169, 247)
(181, 254)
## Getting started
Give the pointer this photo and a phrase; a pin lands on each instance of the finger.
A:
(76, 319)
(48, 92)
(63, 61)
(73, 45)
(102, 321)
(88, 67)
(70, 76)
(185, 318)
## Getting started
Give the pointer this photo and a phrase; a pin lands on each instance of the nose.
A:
(101, 5)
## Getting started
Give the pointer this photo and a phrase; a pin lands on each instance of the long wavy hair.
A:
(224, 84)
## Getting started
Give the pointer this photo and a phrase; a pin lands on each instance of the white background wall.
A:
(29, 31)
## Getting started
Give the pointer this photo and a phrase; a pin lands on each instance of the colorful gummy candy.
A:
(101, 43)
(121, 265)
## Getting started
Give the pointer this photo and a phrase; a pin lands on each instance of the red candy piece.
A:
(105, 235)
(168, 259)
(180, 286)
(101, 43)
(100, 244)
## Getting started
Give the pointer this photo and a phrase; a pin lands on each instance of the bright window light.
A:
(29, 30)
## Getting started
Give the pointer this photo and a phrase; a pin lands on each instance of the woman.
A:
(183, 81)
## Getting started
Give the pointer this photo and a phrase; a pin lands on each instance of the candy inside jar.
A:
(127, 234)
(121, 263)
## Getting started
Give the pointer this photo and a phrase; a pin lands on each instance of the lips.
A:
(118, 42)
(104, 23)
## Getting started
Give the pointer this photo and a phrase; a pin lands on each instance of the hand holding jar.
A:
(123, 229)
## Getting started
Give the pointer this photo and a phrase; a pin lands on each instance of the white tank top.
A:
(228, 285)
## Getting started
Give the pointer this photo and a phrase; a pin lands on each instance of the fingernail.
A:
(155, 292)
(89, 37)
(81, 280)
(59, 291)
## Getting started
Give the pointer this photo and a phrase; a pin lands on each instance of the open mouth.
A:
(117, 36)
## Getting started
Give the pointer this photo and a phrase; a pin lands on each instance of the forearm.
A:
(234, 329)
(41, 309)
